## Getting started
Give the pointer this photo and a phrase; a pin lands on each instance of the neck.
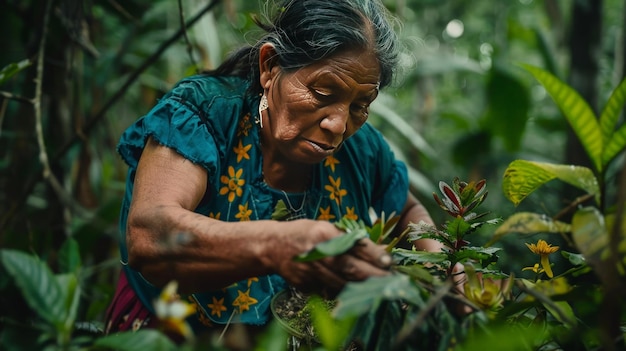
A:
(292, 179)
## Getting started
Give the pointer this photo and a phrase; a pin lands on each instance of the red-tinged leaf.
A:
(454, 199)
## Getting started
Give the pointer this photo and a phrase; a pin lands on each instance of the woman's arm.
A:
(166, 240)
(414, 212)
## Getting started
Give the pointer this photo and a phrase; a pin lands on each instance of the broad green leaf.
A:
(523, 177)
(69, 285)
(274, 338)
(39, 286)
(590, 234)
(529, 223)
(331, 332)
(506, 336)
(359, 297)
(12, 69)
(611, 112)
(69, 256)
(333, 247)
(577, 112)
(485, 255)
(143, 339)
(508, 103)
(615, 145)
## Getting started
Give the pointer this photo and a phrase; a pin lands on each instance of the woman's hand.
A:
(328, 275)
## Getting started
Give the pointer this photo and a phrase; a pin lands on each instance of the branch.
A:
(98, 116)
(184, 28)
(408, 329)
(19, 98)
(47, 174)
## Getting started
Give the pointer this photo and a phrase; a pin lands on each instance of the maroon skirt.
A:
(126, 311)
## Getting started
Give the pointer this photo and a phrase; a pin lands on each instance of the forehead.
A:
(354, 66)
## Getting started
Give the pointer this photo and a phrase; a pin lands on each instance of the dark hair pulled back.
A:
(306, 31)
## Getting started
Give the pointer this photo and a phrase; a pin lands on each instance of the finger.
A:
(368, 251)
(352, 268)
(321, 279)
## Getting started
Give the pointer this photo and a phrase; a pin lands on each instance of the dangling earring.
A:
(262, 107)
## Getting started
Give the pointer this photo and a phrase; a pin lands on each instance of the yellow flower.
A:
(233, 183)
(244, 300)
(242, 151)
(331, 162)
(543, 249)
(244, 213)
(325, 214)
(486, 294)
(217, 307)
(172, 311)
(534, 268)
(336, 193)
(351, 215)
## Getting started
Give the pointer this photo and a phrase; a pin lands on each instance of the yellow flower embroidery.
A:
(351, 214)
(244, 125)
(543, 249)
(233, 183)
(217, 307)
(325, 214)
(215, 215)
(244, 300)
(331, 161)
(244, 213)
(242, 151)
(336, 193)
(251, 280)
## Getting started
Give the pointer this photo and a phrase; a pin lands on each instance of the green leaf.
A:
(523, 177)
(12, 69)
(590, 234)
(280, 211)
(69, 256)
(484, 255)
(69, 284)
(507, 107)
(405, 257)
(358, 298)
(331, 332)
(577, 112)
(529, 223)
(143, 339)
(457, 227)
(41, 290)
(614, 142)
(333, 247)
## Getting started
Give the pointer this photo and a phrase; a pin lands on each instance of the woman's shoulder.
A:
(199, 88)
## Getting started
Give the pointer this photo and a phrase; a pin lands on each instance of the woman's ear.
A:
(268, 65)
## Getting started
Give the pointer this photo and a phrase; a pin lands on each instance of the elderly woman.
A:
(284, 119)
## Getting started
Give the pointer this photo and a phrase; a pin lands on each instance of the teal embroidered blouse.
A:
(210, 121)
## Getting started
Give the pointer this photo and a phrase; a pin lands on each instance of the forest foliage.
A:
(507, 91)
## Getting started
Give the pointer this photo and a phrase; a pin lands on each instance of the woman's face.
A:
(314, 109)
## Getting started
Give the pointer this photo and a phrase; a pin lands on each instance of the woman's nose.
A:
(336, 121)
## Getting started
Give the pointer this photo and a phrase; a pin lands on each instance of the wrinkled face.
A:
(314, 109)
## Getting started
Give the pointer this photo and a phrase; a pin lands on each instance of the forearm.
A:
(201, 253)
(414, 212)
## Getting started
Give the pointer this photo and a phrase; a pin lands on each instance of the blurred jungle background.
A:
(77, 73)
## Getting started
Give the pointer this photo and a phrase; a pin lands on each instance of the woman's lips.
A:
(321, 148)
